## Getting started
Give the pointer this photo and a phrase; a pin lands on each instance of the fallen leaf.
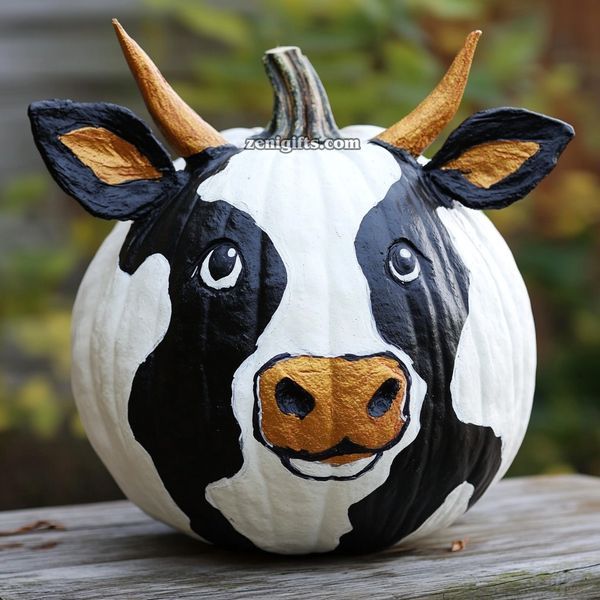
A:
(458, 545)
(45, 546)
(10, 545)
(35, 526)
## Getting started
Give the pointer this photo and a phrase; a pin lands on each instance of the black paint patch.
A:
(513, 124)
(52, 118)
(180, 405)
(424, 318)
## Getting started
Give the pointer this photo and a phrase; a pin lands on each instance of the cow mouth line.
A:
(323, 471)
(344, 461)
(343, 452)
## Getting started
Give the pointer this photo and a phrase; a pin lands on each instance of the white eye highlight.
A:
(403, 263)
(221, 267)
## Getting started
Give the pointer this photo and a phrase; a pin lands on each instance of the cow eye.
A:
(403, 263)
(221, 267)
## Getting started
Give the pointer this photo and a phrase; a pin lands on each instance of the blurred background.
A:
(377, 59)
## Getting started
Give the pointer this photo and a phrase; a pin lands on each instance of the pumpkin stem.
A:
(300, 104)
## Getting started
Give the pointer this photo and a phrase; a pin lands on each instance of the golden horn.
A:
(185, 131)
(419, 128)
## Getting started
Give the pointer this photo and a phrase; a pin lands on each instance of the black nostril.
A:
(293, 399)
(383, 398)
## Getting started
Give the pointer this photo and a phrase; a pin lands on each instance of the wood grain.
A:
(535, 537)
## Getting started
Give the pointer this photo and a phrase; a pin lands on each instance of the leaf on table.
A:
(11, 545)
(45, 546)
(458, 545)
(34, 526)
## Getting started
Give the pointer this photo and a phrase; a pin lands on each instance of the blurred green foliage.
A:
(37, 274)
(378, 59)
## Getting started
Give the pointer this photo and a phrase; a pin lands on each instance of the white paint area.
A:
(238, 135)
(311, 204)
(118, 320)
(494, 371)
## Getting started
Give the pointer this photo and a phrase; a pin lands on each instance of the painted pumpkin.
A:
(322, 349)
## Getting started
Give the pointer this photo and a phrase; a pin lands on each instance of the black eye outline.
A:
(403, 278)
(203, 271)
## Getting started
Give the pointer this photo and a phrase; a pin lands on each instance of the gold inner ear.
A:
(486, 164)
(112, 159)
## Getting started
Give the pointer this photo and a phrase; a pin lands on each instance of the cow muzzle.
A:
(333, 411)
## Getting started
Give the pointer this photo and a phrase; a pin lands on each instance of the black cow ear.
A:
(497, 156)
(103, 156)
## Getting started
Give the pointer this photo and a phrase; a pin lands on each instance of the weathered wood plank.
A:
(528, 538)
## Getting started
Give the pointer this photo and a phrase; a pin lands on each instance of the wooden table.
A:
(535, 537)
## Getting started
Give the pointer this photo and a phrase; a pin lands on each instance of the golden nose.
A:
(311, 404)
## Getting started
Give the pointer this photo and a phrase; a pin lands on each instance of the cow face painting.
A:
(311, 351)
